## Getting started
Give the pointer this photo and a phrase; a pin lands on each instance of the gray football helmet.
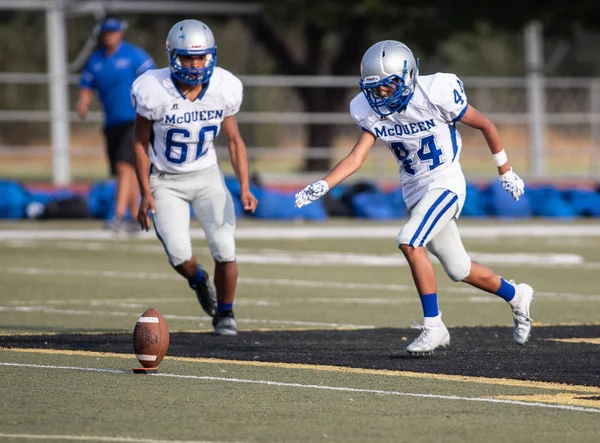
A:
(191, 37)
(388, 63)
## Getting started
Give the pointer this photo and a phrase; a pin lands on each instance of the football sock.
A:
(224, 307)
(198, 278)
(430, 305)
(506, 290)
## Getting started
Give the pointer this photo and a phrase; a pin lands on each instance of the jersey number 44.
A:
(428, 153)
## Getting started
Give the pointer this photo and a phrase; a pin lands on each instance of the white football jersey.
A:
(183, 132)
(423, 137)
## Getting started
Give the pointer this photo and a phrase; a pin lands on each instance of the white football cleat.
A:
(225, 324)
(521, 319)
(431, 337)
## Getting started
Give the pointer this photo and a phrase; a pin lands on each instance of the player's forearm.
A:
(142, 166)
(239, 162)
(492, 138)
(344, 169)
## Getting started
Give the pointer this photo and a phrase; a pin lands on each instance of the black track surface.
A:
(474, 351)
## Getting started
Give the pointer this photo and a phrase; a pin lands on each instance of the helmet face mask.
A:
(191, 38)
(388, 64)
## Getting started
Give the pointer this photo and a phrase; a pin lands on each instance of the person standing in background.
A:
(110, 71)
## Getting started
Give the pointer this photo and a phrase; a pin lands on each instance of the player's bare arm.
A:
(477, 120)
(239, 161)
(509, 181)
(344, 169)
(353, 161)
(143, 130)
(83, 102)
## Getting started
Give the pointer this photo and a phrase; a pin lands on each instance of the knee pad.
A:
(457, 270)
(178, 255)
(178, 248)
(221, 242)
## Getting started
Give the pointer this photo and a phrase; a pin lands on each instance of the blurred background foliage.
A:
(328, 37)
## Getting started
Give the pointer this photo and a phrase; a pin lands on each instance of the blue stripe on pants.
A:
(426, 218)
(438, 217)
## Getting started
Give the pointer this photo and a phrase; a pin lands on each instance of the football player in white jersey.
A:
(180, 111)
(416, 117)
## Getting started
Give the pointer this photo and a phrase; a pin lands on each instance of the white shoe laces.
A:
(425, 335)
(521, 318)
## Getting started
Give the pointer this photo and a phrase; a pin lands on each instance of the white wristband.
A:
(500, 158)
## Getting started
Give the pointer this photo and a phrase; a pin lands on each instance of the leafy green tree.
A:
(329, 37)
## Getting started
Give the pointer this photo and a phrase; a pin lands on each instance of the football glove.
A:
(512, 184)
(312, 192)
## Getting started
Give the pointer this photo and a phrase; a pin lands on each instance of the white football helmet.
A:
(191, 37)
(388, 63)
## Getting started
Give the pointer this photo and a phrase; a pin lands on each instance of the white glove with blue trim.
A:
(512, 184)
(312, 192)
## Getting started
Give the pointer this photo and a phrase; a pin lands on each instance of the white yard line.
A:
(92, 273)
(95, 438)
(132, 302)
(195, 318)
(321, 387)
(321, 258)
(499, 230)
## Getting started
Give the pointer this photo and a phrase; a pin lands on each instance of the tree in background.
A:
(329, 37)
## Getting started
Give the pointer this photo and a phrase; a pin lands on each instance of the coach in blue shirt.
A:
(111, 70)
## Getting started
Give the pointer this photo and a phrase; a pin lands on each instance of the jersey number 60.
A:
(177, 151)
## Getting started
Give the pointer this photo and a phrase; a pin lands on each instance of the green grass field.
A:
(60, 277)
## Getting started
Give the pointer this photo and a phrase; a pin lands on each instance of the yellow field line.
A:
(340, 369)
(593, 341)
(340, 328)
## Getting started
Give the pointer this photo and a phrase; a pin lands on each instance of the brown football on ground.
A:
(150, 338)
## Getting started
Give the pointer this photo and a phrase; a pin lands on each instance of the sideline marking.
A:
(593, 341)
(328, 368)
(323, 232)
(97, 438)
(321, 387)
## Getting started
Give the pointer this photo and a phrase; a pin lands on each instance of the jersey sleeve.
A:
(87, 80)
(448, 94)
(145, 102)
(234, 95)
(362, 114)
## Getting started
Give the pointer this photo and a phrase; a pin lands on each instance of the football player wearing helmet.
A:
(416, 116)
(180, 111)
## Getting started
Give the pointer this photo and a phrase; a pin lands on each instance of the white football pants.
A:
(213, 207)
(432, 225)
